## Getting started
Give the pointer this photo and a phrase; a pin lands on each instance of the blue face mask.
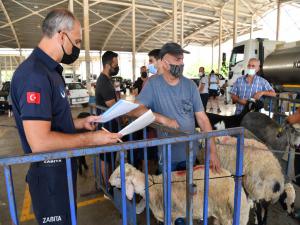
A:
(152, 69)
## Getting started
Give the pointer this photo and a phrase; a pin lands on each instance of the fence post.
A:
(238, 179)
(189, 183)
(11, 195)
(146, 179)
(169, 185)
(71, 191)
(123, 187)
(206, 181)
(164, 173)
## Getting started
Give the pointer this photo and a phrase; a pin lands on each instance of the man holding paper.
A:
(175, 101)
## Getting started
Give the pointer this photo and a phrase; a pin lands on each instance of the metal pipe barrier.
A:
(122, 148)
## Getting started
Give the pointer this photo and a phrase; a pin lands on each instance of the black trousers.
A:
(48, 188)
(204, 99)
(297, 166)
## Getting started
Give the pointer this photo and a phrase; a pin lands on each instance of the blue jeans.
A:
(175, 166)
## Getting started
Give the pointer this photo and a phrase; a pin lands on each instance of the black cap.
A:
(171, 48)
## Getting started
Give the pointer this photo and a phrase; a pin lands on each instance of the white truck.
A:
(280, 63)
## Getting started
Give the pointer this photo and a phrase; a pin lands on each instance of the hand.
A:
(242, 101)
(171, 123)
(102, 137)
(258, 95)
(88, 123)
(215, 162)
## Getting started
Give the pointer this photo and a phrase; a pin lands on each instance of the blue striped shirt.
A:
(244, 90)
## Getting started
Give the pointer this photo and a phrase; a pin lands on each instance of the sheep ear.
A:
(129, 189)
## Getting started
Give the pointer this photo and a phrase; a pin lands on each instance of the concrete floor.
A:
(93, 208)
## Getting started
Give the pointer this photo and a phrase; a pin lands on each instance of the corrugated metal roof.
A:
(154, 23)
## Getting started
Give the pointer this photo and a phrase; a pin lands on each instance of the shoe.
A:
(219, 110)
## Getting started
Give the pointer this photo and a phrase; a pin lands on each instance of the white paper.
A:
(144, 120)
(118, 109)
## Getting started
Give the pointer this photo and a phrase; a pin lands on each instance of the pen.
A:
(110, 132)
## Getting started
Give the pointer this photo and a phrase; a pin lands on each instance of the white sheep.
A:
(221, 194)
(263, 178)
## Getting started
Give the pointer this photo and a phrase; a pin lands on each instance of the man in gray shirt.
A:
(176, 102)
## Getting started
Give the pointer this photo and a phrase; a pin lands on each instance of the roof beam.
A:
(34, 13)
(155, 29)
(190, 36)
(25, 7)
(10, 24)
(106, 20)
(120, 20)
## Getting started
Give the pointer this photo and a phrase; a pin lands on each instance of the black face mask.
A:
(176, 70)
(144, 74)
(69, 59)
(113, 71)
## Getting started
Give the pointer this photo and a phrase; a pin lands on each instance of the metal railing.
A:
(122, 149)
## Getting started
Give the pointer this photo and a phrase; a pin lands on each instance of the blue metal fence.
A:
(122, 149)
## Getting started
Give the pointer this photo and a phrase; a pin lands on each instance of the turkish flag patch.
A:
(33, 98)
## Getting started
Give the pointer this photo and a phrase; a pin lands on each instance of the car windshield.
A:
(75, 86)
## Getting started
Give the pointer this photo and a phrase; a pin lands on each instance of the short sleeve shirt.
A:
(38, 93)
(179, 102)
(244, 90)
(105, 90)
(204, 80)
(213, 80)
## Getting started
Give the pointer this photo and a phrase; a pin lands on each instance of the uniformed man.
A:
(44, 118)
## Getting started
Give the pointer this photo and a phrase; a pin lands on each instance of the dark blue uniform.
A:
(38, 93)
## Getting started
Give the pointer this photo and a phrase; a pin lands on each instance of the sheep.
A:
(221, 194)
(263, 182)
(219, 122)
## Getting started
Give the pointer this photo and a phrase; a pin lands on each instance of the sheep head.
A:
(134, 180)
(287, 198)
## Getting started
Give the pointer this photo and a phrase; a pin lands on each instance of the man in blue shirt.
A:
(44, 118)
(176, 102)
(250, 86)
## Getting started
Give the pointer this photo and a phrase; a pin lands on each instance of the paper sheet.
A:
(144, 120)
(118, 109)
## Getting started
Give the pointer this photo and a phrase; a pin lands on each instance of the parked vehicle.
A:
(77, 94)
(119, 84)
(3, 96)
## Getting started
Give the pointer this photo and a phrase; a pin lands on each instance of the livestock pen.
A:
(128, 216)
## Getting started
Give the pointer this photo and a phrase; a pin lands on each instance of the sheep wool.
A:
(221, 194)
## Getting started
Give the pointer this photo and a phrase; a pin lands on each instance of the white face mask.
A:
(200, 74)
(250, 72)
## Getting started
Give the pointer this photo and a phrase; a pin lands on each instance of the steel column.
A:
(133, 41)
(220, 39)
(235, 21)
(278, 20)
(86, 23)
(174, 20)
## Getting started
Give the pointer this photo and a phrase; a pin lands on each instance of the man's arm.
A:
(166, 121)
(205, 126)
(201, 87)
(259, 94)
(236, 99)
(41, 139)
(295, 118)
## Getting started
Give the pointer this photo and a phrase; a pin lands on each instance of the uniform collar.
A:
(47, 60)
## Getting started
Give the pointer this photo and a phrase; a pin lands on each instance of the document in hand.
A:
(118, 109)
(144, 120)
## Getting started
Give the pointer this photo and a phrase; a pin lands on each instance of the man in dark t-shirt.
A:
(105, 97)
(139, 83)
